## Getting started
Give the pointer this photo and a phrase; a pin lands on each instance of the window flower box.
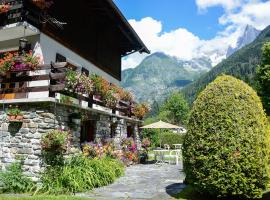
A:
(14, 114)
(12, 62)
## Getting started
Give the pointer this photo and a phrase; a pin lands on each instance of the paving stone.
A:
(143, 182)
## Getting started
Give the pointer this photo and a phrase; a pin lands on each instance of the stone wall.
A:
(22, 140)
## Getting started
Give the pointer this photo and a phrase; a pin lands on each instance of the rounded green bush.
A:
(225, 149)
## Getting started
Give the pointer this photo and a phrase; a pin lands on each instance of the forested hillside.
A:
(242, 64)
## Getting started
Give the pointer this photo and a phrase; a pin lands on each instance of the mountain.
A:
(241, 64)
(159, 74)
(249, 35)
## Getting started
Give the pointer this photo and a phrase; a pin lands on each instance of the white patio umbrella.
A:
(160, 125)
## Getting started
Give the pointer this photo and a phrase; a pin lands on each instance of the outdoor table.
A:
(177, 155)
(177, 146)
(161, 154)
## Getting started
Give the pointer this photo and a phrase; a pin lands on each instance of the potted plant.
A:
(111, 98)
(25, 62)
(140, 110)
(13, 62)
(101, 86)
(14, 114)
(85, 85)
(144, 154)
(6, 62)
(71, 80)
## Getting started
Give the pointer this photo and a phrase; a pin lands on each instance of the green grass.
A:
(151, 156)
(189, 193)
(21, 197)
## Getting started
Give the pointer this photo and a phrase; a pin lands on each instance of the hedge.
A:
(225, 149)
(171, 138)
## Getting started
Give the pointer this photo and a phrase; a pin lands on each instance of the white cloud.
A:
(226, 4)
(179, 43)
(185, 45)
(254, 13)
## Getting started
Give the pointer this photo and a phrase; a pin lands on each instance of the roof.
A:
(140, 46)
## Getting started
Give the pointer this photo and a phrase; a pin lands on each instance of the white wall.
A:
(50, 47)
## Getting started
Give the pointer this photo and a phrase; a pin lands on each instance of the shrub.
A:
(171, 138)
(13, 180)
(225, 150)
(80, 174)
(54, 145)
(153, 135)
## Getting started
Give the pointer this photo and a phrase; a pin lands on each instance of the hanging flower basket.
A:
(14, 114)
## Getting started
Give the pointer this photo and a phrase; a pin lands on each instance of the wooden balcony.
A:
(17, 82)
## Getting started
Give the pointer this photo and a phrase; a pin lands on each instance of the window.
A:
(60, 58)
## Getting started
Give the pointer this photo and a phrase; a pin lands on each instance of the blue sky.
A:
(189, 29)
(174, 14)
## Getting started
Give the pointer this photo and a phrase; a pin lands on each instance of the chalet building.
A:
(86, 36)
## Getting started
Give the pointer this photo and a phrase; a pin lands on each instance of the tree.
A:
(154, 109)
(175, 109)
(226, 147)
(263, 77)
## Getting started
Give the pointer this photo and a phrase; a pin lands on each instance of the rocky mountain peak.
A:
(249, 35)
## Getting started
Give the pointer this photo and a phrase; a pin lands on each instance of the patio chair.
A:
(166, 146)
(177, 155)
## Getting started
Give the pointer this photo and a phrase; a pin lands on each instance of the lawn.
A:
(23, 197)
(151, 156)
(189, 194)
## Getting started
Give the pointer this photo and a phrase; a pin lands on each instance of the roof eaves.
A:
(143, 48)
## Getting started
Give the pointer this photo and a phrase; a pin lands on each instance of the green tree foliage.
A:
(175, 109)
(170, 138)
(225, 149)
(263, 77)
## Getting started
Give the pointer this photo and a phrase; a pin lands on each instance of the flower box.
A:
(15, 118)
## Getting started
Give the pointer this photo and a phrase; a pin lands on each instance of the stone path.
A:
(140, 182)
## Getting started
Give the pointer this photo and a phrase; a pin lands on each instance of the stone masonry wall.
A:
(21, 141)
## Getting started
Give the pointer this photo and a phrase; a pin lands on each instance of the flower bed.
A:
(128, 154)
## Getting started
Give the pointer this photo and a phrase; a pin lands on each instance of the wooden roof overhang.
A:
(95, 29)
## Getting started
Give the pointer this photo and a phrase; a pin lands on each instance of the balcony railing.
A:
(55, 75)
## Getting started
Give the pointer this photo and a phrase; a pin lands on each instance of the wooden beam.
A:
(24, 90)
(25, 79)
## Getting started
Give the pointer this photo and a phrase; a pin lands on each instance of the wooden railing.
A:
(56, 73)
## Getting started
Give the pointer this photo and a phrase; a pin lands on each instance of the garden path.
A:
(141, 182)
